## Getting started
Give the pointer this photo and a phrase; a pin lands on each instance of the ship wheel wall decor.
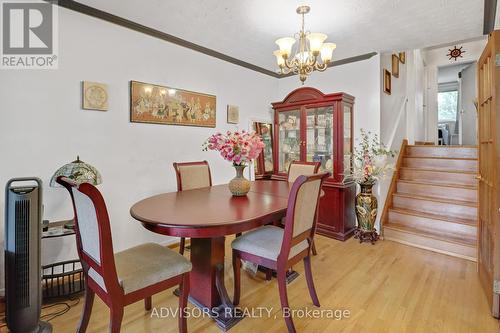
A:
(455, 53)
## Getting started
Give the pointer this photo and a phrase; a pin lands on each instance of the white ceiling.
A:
(450, 73)
(247, 29)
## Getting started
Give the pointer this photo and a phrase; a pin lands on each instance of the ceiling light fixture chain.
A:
(311, 48)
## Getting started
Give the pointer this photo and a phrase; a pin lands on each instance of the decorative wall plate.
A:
(94, 96)
(455, 53)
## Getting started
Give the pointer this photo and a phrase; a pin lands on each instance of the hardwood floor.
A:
(388, 287)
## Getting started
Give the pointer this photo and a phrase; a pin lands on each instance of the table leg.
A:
(207, 281)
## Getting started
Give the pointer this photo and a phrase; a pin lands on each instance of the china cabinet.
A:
(315, 127)
(263, 165)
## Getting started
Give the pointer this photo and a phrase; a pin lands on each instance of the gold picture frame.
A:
(387, 82)
(94, 96)
(233, 114)
(155, 104)
(402, 57)
(395, 66)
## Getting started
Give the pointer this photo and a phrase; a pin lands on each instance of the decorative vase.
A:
(239, 185)
(366, 213)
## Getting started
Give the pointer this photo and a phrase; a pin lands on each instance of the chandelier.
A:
(307, 56)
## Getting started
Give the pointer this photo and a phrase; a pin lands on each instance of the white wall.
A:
(433, 59)
(468, 92)
(390, 105)
(43, 127)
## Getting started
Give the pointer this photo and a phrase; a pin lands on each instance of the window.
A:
(447, 105)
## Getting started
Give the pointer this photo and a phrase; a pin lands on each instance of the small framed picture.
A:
(233, 114)
(387, 82)
(395, 65)
(402, 57)
(94, 96)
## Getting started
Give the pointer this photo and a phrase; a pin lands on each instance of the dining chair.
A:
(127, 276)
(298, 168)
(190, 176)
(278, 249)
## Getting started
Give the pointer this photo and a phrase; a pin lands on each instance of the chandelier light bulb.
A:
(302, 56)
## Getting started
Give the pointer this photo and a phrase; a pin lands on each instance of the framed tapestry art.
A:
(154, 104)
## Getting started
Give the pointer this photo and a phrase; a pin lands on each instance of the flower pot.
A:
(366, 213)
(239, 185)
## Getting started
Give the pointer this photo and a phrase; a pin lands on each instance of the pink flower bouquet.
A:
(239, 147)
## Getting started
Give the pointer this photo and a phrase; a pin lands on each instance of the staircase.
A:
(433, 203)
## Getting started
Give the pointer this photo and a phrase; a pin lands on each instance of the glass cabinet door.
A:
(289, 139)
(265, 130)
(319, 137)
(347, 139)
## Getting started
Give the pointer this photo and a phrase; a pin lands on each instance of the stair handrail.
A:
(402, 109)
(393, 186)
(399, 161)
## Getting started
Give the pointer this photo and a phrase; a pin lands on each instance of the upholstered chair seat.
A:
(145, 265)
(266, 242)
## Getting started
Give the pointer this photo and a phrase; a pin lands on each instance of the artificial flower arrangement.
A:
(240, 148)
(369, 166)
(237, 147)
(370, 160)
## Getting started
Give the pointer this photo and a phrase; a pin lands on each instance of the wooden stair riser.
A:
(435, 207)
(437, 191)
(430, 224)
(440, 164)
(453, 249)
(440, 151)
(437, 177)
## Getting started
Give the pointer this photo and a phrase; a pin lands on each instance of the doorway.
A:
(457, 112)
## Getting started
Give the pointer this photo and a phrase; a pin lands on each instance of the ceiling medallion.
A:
(310, 49)
(455, 53)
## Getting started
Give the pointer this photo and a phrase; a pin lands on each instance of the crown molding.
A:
(463, 41)
(108, 17)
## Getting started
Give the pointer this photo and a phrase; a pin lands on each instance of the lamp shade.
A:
(79, 172)
(316, 40)
(285, 44)
(327, 50)
(279, 58)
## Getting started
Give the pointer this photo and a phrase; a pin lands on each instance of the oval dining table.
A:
(206, 216)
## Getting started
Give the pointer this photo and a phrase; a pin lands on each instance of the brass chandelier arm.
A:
(321, 67)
